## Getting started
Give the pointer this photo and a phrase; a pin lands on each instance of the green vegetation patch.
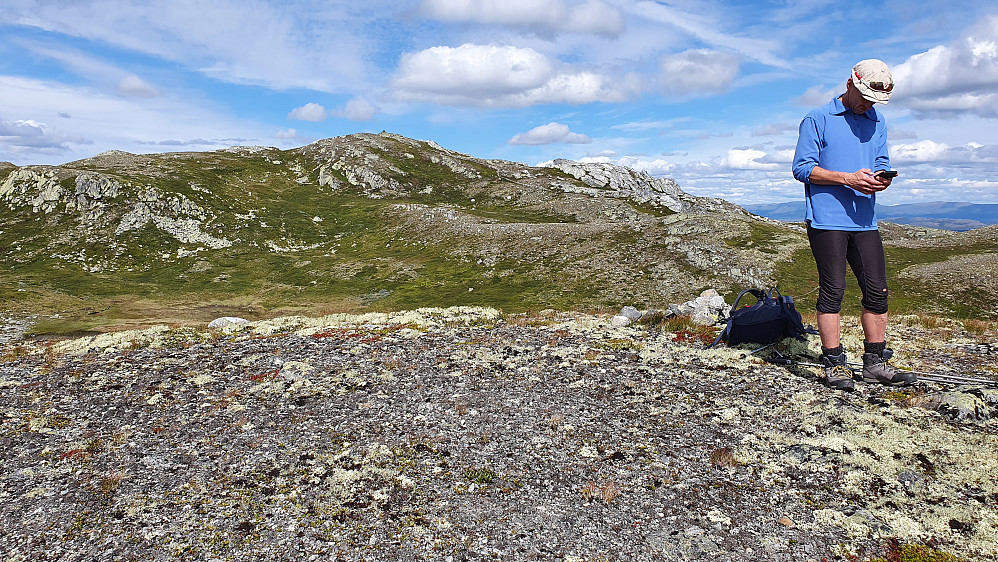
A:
(513, 214)
(652, 209)
(897, 552)
(766, 238)
(5, 169)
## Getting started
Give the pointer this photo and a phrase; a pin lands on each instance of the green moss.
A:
(915, 553)
(480, 475)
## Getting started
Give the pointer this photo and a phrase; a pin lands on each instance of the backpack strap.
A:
(759, 294)
(795, 325)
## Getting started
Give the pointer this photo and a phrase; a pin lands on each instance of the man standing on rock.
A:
(841, 154)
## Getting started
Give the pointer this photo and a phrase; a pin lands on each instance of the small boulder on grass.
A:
(627, 315)
(631, 313)
(620, 321)
(226, 322)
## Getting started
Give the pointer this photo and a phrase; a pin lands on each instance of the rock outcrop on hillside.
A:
(616, 181)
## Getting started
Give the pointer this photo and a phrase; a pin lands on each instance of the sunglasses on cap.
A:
(878, 86)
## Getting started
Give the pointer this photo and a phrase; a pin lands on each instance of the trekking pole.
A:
(781, 360)
(941, 378)
(762, 348)
(946, 378)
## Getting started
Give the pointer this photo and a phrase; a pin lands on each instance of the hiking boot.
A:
(838, 375)
(879, 369)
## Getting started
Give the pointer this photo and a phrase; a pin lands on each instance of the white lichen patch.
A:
(296, 369)
(718, 516)
(201, 379)
(876, 450)
(111, 341)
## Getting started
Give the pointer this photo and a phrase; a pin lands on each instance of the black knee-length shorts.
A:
(863, 250)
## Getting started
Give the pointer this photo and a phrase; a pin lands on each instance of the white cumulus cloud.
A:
(499, 76)
(921, 151)
(309, 112)
(359, 109)
(292, 136)
(960, 78)
(699, 71)
(473, 70)
(550, 134)
(748, 159)
(27, 135)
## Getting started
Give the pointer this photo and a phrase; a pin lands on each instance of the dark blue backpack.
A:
(767, 321)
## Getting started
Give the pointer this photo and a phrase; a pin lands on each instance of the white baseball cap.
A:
(873, 79)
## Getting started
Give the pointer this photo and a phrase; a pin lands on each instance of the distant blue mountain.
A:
(946, 215)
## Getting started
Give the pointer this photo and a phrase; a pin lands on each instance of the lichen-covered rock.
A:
(969, 404)
(618, 181)
(27, 187)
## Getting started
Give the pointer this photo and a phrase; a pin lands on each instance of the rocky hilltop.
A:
(368, 220)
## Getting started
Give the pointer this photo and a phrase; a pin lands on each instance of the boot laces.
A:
(840, 372)
(889, 364)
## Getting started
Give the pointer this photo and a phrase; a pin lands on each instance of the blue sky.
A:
(709, 93)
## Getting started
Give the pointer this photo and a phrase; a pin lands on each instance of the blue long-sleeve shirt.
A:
(836, 139)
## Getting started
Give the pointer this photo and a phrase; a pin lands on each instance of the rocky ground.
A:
(463, 434)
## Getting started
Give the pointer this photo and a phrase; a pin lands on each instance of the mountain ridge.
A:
(947, 215)
(373, 222)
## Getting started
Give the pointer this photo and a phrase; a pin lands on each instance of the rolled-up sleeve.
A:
(808, 148)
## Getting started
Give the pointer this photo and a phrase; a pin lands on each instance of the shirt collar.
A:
(836, 107)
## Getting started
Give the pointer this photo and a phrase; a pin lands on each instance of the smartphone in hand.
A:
(885, 174)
